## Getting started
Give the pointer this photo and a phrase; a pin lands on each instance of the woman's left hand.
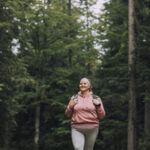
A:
(96, 102)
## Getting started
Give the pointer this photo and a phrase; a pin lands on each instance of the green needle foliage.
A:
(46, 48)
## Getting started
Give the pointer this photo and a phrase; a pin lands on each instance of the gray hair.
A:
(88, 81)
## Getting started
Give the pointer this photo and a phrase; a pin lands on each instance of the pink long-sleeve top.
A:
(85, 113)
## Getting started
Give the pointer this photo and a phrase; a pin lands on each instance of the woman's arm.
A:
(100, 109)
(69, 109)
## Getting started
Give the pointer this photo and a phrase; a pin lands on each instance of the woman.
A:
(85, 109)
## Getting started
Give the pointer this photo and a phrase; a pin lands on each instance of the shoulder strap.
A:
(75, 96)
(94, 96)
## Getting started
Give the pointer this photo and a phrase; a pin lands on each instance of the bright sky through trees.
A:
(99, 6)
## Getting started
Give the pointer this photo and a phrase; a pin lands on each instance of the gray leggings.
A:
(84, 140)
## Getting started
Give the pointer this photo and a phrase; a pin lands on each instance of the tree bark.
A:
(131, 86)
(6, 136)
(70, 50)
(37, 119)
(69, 7)
(147, 118)
(37, 127)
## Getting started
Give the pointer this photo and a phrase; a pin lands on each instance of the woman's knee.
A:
(78, 147)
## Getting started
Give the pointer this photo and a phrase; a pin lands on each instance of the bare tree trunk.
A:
(88, 34)
(147, 118)
(70, 50)
(131, 69)
(69, 7)
(6, 136)
(37, 119)
(37, 127)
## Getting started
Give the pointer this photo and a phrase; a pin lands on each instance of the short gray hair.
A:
(88, 81)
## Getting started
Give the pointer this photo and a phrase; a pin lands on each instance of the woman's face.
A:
(84, 86)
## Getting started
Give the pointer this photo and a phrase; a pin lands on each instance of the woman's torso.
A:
(84, 113)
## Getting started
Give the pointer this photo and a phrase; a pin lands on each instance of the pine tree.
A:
(112, 75)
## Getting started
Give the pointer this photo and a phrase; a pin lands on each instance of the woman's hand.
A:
(96, 102)
(73, 103)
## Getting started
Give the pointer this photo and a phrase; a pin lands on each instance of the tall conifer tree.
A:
(131, 67)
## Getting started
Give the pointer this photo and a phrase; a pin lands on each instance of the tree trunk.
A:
(37, 119)
(131, 69)
(147, 118)
(6, 136)
(70, 50)
(37, 127)
(69, 7)
(7, 125)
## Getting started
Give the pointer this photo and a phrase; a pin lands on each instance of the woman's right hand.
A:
(73, 103)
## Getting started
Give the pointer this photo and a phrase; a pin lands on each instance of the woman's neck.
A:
(84, 93)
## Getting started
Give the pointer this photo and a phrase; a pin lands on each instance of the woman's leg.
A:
(90, 138)
(78, 139)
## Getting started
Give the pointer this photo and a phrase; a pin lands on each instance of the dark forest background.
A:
(46, 48)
